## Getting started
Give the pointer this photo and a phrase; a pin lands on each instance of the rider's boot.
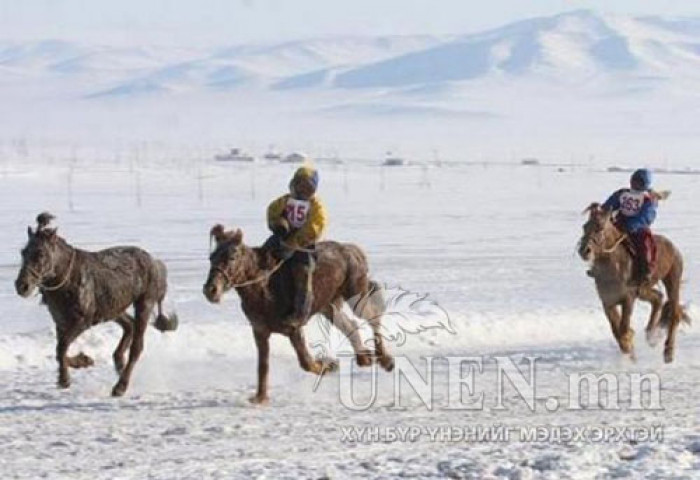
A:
(303, 294)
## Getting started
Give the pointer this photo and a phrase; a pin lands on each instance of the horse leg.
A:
(306, 361)
(613, 314)
(125, 321)
(673, 312)
(262, 342)
(371, 307)
(142, 310)
(350, 329)
(656, 299)
(66, 336)
(626, 332)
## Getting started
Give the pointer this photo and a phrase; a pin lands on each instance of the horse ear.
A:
(30, 233)
(237, 237)
(217, 232)
(592, 208)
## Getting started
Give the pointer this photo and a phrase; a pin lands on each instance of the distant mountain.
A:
(567, 46)
(570, 47)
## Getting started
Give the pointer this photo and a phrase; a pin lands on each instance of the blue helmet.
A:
(641, 178)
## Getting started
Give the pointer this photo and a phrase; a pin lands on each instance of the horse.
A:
(613, 269)
(82, 289)
(266, 290)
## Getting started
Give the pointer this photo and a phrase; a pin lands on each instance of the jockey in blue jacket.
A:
(636, 212)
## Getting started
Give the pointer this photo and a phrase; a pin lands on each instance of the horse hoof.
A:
(329, 366)
(653, 338)
(387, 363)
(118, 390)
(668, 355)
(259, 400)
(63, 383)
(84, 361)
(364, 359)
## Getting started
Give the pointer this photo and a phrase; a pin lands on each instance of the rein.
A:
(614, 247)
(63, 282)
(265, 276)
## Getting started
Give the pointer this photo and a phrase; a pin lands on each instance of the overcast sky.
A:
(205, 22)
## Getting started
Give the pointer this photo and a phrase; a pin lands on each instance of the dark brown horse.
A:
(82, 289)
(267, 292)
(604, 246)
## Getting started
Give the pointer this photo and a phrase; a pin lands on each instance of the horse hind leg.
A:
(126, 322)
(371, 306)
(350, 329)
(672, 311)
(656, 299)
(142, 310)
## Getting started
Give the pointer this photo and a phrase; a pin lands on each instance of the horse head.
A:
(592, 241)
(40, 256)
(226, 262)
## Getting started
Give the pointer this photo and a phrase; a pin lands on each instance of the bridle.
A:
(63, 282)
(608, 250)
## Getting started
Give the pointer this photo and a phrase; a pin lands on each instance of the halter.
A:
(63, 282)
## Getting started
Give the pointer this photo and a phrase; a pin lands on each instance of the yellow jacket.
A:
(310, 219)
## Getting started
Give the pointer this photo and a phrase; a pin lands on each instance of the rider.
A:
(297, 221)
(636, 211)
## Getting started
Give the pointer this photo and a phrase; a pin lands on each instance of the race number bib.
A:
(297, 212)
(631, 202)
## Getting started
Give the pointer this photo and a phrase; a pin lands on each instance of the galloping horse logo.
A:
(407, 314)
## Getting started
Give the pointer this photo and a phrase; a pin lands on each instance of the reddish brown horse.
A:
(603, 245)
(267, 292)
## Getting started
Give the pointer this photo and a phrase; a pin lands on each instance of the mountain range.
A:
(570, 47)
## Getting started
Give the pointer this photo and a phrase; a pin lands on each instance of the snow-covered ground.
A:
(492, 245)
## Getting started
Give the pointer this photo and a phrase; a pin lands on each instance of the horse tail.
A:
(685, 316)
(372, 303)
(673, 312)
(164, 323)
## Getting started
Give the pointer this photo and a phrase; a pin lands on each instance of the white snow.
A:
(492, 245)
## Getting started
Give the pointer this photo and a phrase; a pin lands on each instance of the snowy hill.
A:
(635, 77)
(571, 47)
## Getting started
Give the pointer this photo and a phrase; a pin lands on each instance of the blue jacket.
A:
(636, 209)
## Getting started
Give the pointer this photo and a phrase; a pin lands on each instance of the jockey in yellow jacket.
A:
(297, 221)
